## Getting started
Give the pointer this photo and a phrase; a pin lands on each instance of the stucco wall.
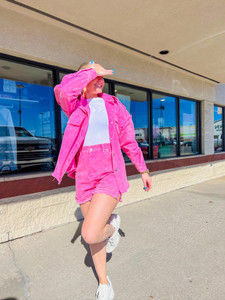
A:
(220, 94)
(24, 215)
(32, 36)
(207, 113)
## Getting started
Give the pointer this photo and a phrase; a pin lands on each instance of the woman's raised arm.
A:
(70, 88)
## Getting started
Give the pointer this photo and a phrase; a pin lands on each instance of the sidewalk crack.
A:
(24, 277)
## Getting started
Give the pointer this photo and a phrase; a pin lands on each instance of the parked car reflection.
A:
(31, 150)
(188, 146)
(142, 143)
(218, 142)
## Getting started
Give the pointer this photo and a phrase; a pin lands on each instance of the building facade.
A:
(178, 117)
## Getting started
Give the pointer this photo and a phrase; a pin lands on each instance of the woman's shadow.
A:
(88, 259)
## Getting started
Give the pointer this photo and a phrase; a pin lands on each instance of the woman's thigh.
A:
(84, 208)
(99, 210)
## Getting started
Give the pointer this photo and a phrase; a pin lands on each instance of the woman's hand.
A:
(100, 70)
(147, 182)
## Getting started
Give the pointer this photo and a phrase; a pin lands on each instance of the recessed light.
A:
(164, 52)
(6, 67)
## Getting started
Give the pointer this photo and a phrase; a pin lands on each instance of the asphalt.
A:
(172, 248)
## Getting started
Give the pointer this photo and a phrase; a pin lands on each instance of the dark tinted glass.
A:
(164, 126)
(188, 128)
(136, 103)
(27, 123)
(218, 131)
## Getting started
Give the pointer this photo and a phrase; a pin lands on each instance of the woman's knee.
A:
(89, 234)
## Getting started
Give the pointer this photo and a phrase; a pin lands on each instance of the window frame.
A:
(55, 80)
(223, 127)
(149, 92)
(198, 125)
(177, 120)
(56, 70)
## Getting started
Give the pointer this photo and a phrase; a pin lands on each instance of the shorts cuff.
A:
(103, 191)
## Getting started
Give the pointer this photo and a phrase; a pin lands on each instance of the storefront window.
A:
(188, 128)
(218, 129)
(64, 118)
(136, 103)
(27, 122)
(164, 126)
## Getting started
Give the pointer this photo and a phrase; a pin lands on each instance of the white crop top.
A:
(98, 127)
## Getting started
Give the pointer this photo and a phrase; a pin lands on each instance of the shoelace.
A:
(110, 241)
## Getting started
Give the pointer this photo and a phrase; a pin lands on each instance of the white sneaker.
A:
(113, 241)
(105, 291)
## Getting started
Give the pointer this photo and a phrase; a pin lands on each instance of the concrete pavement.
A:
(173, 249)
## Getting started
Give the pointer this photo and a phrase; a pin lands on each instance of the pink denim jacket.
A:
(121, 128)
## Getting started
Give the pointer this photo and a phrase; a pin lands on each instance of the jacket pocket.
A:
(118, 128)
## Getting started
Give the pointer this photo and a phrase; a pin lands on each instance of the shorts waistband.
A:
(96, 148)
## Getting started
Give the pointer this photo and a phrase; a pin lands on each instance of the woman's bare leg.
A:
(95, 229)
(84, 208)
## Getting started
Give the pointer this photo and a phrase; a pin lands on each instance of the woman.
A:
(99, 126)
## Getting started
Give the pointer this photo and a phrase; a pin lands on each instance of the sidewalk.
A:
(173, 249)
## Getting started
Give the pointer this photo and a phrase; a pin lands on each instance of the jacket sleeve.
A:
(67, 92)
(127, 140)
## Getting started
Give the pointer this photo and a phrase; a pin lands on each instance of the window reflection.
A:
(27, 127)
(188, 128)
(8, 144)
(64, 118)
(164, 126)
(218, 132)
(136, 103)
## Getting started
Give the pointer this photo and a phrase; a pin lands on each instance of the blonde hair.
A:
(84, 66)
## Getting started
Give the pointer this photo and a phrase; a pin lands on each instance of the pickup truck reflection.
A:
(31, 150)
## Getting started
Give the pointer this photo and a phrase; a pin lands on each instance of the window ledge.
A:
(13, 177)
(29, 183)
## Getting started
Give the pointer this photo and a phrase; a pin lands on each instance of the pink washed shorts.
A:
(94, 173)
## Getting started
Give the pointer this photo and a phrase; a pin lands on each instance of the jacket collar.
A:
(107, 98)
(84, 105)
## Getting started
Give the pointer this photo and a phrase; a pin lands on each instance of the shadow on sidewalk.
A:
(10, 298)
(88, 258)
